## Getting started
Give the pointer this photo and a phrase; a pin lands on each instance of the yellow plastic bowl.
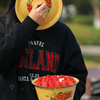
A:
(56, 93)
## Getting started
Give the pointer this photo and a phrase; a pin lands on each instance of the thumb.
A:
(37, 4)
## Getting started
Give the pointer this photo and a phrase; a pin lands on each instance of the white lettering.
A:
(38, 43)
(23, 78)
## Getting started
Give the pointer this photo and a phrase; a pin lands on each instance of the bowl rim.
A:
(56, 87)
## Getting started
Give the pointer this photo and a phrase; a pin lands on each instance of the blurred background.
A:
(83, 18)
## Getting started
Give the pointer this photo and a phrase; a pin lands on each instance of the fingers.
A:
(37, 4)
(44, 12)
(42, 7)
(38, 14)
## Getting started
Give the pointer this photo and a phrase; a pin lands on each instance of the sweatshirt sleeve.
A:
(14, 42)
(73, 63)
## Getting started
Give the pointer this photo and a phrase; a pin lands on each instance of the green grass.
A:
(82, 27)
(85, 34)
(83, 19)
(92, 60)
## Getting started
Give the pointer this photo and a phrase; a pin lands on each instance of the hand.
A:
(39, 12)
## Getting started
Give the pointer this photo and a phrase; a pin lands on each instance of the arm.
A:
(73, 63)
(14, 42)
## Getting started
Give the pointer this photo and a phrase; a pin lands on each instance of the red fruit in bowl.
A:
(47, 75)
(72, 80)
(51, 83)
(54, 78)
(47, 78)
(44, 83)
(69, 83)
(61, 76)
(64, 83)
(58, 84)
(54, 81)
(67, 78)
(38, 82)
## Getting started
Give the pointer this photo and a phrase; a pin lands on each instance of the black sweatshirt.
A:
(27, 53)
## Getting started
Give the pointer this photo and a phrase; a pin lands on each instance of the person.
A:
(27, 53)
